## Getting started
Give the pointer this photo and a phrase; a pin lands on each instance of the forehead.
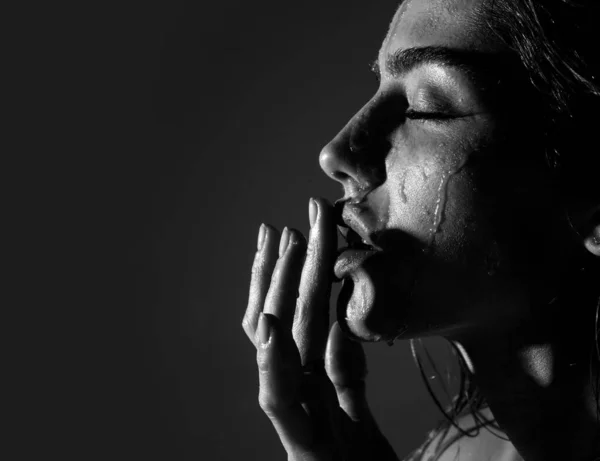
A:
(455, 24)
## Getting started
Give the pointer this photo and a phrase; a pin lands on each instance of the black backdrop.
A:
(164, 134)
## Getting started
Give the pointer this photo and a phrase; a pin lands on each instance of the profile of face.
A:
(443, 175)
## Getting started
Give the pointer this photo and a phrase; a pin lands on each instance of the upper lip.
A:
(349, 221)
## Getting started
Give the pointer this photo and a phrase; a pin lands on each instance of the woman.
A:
(472, 211)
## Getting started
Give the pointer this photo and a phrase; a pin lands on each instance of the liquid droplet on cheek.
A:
(440, 205)
(403, 196)
(441, 199)
(440, 202)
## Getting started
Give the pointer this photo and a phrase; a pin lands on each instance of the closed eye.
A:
(416, 115)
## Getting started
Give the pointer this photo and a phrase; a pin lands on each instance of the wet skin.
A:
(443, 175)
(454, 193)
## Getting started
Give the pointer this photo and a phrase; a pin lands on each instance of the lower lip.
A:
(349, 260)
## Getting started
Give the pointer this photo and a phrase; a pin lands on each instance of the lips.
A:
(354, 239)
(359, 244)
(353, 228)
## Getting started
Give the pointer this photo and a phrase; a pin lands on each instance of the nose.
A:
(356, 156)
(335, 161)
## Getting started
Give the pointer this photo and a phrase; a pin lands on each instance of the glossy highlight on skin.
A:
(455, 228)
(440, 203)
(427, 192)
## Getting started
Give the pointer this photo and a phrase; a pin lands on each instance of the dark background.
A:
(164, 133)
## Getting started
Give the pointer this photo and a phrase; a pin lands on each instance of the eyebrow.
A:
(470, 62)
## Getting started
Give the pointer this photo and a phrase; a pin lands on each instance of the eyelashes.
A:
(416, 115)
(409, 113)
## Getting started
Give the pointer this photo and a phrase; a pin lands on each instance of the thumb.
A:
(346, 366)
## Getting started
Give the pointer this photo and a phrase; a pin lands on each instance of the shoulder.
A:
(484, 445)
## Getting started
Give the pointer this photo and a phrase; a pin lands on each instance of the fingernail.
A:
(313, 211)
(261, 237)
(264, 335)
(284, 242)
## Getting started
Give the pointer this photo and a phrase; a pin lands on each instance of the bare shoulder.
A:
(484, 446)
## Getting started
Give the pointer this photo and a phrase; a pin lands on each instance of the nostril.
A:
(339, 175)
(334, 163)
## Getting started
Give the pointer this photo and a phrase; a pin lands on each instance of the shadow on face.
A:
(457, 194)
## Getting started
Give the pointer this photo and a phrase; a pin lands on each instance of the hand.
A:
(319, 415)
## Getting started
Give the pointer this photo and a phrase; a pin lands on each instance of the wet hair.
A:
(556, 43)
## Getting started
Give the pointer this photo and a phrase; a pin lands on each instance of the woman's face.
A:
(452, 194)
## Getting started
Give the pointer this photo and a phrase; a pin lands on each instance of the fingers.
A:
(346, 366)
(280, 378)
(305, 436)
(281, 297)
(311, 321)
(262, 268)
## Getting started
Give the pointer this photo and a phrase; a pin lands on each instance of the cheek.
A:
(412, 197)
(422, 171)
(461, 235)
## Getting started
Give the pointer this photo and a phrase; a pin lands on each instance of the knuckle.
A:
(268, 404)
(312, 248)
(262, 361)
(302, 307)
(296, 237)
(247, 327)
(276, 401)
(278, 271)
(257, 268)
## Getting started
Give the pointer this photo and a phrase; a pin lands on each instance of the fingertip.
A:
(333, 343)
(264, 357)
(336, 328)
(297, 237)
(270, 228)
(263, 330)
(324, 210)
(337, 335)
(270, 319)
(275, 338)
(267, 231)
(278, 356)
(322, 201)
(344, 357)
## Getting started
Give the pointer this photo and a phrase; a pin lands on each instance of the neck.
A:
(540, 382)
